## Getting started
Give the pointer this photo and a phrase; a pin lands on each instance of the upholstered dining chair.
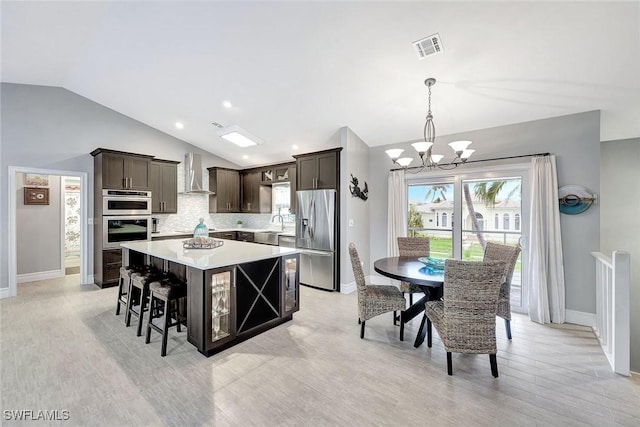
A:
(412, 247)
(373, 300)
(509, 254)
(465, 317)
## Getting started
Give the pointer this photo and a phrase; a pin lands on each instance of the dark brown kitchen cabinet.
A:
(318, 171)
(228, 235)
(293, 200)
(226, 185)
(215, 304)
(245, 236)
(164, 186)
(119, 170)
(108, 271)
(256, 198)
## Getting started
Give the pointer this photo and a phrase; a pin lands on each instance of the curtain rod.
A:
(476, 161)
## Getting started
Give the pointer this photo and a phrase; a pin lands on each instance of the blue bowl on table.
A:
(433, 265)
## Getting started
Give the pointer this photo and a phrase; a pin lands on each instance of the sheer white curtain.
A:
(546, 271)
(397, 207)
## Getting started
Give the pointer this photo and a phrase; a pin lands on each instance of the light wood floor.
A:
(62, 348)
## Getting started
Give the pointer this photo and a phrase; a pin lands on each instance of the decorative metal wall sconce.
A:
(355, 190)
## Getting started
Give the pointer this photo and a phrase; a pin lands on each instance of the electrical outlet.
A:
(350, 222)
(90, 221)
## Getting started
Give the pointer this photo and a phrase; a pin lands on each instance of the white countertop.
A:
(231, 253)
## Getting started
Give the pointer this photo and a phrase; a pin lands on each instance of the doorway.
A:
(459, 213)
(71, 199)
(15, 176)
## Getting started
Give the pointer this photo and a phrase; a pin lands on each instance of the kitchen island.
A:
(234, 292)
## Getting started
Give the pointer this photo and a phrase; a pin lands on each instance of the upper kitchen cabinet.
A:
(256, 198)
(119, 170)
(164, 186)
(293, 200)
(226, 185)
(318, 171)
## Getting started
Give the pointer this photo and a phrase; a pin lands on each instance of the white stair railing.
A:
(613, 327)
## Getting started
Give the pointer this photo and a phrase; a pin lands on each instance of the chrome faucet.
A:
(281, 219)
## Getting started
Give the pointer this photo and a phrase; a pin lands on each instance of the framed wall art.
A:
(36, 180)
(36, 196)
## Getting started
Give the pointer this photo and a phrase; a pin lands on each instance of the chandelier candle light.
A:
(425, 149)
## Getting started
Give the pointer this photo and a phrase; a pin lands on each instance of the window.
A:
(281, 201)
(427, 219)
(480, 220)
(461, 213)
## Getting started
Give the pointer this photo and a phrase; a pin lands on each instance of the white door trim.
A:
(519, 169)
(84, 228)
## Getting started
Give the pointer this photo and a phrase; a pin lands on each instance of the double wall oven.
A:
(126, 217)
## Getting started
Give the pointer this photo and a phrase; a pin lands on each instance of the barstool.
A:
(139, 281)
(124, 282)
(170, 292)
(123, 287)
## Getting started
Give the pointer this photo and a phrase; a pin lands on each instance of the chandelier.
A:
(425, 148)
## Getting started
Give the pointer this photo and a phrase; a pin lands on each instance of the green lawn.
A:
(443, 248)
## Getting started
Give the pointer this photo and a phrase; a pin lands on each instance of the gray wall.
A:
(38, 230)
(354, 160)
(574, 139)
(620, 219)
(53, 128)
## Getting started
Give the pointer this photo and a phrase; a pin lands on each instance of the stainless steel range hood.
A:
(194, 180)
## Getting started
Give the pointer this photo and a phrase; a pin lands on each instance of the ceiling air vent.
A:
(428, 46)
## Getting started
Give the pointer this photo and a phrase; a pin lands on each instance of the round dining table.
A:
(409, 269)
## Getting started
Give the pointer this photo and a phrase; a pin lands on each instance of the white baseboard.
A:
(90, 280)
(374, 279)
(347, 288)
(580, 318)
(41, 275)
(4, 293)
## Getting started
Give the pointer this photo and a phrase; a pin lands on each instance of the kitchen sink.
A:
(266, 237)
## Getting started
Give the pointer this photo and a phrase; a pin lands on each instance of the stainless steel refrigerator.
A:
(316, 237)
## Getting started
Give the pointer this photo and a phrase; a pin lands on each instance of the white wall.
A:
(354, 161)
(53, 128)
(620, 219)
(38, 230)
(574, 139)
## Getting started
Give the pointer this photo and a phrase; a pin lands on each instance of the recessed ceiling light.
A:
(179, 125)
(294, 146)
(227, 104)
(245, 157)
(238, 136)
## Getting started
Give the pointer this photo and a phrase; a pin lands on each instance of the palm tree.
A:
(437, 192)
(475, 226)
(415, 219)
(487, 192)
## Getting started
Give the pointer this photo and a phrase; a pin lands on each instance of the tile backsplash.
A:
(192, 207)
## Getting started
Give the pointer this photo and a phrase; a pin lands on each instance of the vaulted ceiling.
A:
(295, 72)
